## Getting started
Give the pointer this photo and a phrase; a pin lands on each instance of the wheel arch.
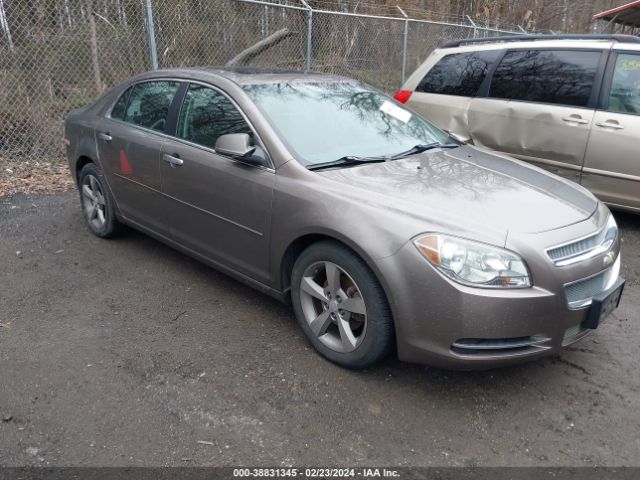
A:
(79, 164)
(299, 244)
(77, 167)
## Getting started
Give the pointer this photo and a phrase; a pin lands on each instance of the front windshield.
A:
(326, 121)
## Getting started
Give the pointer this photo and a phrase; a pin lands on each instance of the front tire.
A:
(340, 306)
(96, 203)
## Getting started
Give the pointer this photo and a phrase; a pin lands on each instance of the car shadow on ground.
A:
(627, 220)
(435, 381)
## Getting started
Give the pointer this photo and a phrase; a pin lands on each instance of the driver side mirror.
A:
(236, 145)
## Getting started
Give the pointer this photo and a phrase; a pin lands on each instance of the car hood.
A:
(470, 188)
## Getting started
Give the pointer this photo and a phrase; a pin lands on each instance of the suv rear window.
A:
(563, 77)
(458, 74)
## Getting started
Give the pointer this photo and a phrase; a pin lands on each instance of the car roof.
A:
(572, 41)
(245, 75)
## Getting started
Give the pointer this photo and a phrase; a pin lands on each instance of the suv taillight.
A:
(403, 95)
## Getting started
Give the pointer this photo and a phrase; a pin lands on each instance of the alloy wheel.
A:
(333, 306)
(93, 202)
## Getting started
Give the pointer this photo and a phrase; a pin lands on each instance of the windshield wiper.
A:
(423, 147)
(353, 160)
(346, 160)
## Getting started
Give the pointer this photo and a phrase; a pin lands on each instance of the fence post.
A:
(404, 43)
(309, 32)
(475, 27)
(152, 36)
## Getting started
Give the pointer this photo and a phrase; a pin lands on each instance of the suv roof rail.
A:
(529, 38)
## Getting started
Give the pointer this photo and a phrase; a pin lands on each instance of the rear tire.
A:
(97, 205)
(340, 306)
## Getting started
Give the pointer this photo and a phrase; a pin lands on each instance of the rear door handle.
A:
(173, 160)
(610, 124)
(105, 137)
(575, 119)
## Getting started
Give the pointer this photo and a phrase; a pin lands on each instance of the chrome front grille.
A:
(586, 247)
(577, 248)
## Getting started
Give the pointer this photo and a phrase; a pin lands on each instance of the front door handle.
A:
(105, 137)
(575, 119)
(610, 124)
(173, 160)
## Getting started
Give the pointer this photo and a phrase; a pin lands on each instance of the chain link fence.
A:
(56, 55)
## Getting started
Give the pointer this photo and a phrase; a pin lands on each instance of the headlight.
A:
(610, 232)
(473, 263)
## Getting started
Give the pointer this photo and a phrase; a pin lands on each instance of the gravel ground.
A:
(127, 352)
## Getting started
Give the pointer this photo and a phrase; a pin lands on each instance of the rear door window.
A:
(149, 104)
(624, 96)
(458, 74)
(562, 77)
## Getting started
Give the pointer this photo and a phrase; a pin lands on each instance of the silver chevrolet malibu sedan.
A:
(384, 233)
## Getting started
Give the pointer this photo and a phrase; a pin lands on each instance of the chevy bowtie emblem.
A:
(608, 259)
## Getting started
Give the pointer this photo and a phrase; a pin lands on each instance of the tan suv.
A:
(568, 103)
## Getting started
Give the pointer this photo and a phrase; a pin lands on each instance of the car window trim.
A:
(483, 90)
(126, 92)
(603, 101)
(138, 127)
(592, 102)
(174, 109)
(129, 89)
(607, 82)
(186, 81)
(191, 144)
(108, 116)
(178, 112)
(268, 168)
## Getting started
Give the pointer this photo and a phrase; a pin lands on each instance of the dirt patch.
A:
(125, 352)
(34, 177)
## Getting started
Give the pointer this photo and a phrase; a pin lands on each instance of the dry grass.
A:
(34, 177)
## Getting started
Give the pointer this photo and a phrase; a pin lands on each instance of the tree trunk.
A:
(94, 46)
(4, 22)
(256, 49)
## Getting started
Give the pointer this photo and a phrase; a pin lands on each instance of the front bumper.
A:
(448, 325)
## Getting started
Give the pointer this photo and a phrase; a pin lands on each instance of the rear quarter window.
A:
(458, 73)
(119, 108)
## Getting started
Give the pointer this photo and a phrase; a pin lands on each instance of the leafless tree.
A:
(93, 38)
(5, 25)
